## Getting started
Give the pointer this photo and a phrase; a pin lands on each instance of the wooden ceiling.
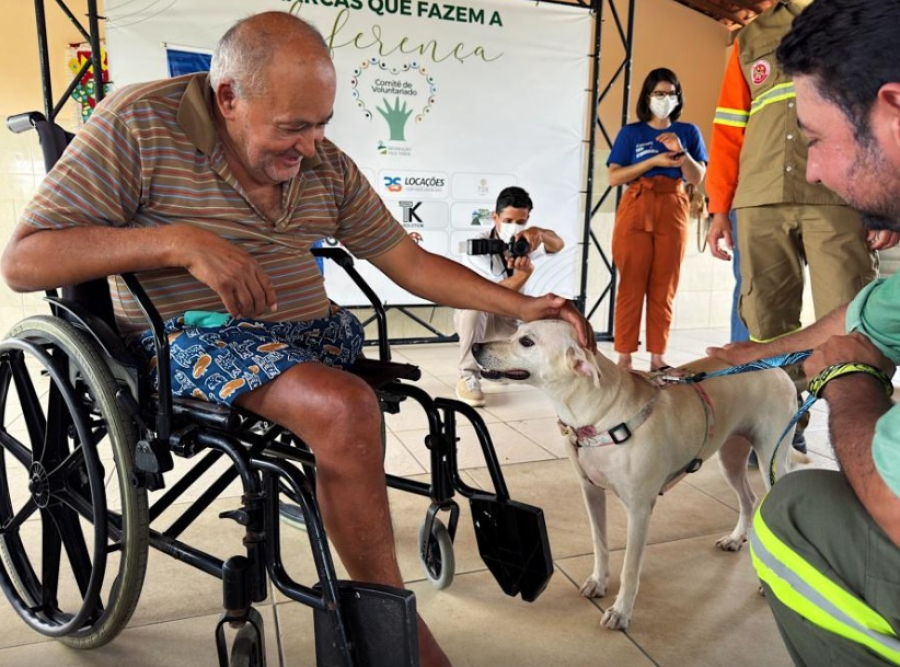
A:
(734, 14)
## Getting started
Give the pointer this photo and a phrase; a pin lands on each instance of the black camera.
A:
(515, 248)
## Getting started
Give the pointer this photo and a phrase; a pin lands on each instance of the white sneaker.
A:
(468, 390)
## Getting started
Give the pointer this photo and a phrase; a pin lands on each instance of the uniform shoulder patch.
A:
(759, 71)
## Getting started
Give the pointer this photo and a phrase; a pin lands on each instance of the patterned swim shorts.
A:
(219, 363)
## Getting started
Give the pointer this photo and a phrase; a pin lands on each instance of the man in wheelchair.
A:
(213, 189)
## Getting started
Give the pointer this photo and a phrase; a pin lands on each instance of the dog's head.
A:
(541, 353)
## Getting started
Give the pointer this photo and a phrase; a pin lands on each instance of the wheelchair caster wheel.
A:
(438, 561)
(246, 651)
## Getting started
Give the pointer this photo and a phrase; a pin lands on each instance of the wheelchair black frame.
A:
(261, 455)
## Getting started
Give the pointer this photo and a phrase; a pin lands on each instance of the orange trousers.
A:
(649, 240)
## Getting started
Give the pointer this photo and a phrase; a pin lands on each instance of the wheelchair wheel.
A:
(73, 529)
(438, 562)
(246, 651)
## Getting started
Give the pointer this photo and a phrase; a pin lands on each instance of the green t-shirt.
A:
(875, 312)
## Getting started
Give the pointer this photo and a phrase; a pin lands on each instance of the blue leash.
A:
(777, 361)
(804, 407)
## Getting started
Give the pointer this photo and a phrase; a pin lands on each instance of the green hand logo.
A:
(396, 118)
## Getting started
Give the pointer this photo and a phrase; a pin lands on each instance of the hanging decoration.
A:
(84, 93)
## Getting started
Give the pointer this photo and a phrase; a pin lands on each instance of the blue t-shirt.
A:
(637, 142)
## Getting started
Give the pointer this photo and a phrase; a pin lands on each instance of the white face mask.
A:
(508, 230)
(663, 108)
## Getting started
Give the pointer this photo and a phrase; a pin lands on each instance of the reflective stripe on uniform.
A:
(815, 597)
(732, 117)
(779, 93)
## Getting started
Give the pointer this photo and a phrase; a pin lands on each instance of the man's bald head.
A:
(245, 53)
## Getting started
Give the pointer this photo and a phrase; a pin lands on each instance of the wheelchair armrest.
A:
(375, 372)
(378, 373)
(345, 261)
(161, 343)
(337, 255)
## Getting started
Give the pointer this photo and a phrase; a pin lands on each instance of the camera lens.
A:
(519, 248)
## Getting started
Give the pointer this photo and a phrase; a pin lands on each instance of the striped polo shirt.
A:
(150, 156)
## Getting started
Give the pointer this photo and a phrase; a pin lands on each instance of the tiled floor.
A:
(697, 606)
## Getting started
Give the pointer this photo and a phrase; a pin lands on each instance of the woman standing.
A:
(654, 157)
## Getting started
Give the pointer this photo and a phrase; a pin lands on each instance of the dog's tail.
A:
(798, 460)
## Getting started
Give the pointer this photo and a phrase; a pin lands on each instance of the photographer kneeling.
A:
(504, 254)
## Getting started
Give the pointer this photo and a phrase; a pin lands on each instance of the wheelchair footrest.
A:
(381, 627)
(513, 543)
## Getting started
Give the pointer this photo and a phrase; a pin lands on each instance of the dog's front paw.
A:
(731, 543)
(614, 619)
(593, 588)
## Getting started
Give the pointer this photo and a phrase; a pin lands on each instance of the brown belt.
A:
(638, 190)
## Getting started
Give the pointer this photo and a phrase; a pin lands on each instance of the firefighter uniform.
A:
(758, 167)
(830, 574)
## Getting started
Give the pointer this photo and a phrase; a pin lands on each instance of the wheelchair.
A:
(94, 439)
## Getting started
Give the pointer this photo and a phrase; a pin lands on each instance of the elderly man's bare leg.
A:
(337, 414)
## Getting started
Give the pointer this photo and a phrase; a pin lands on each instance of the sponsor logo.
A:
(481, 217)
(394, 149)
(410, 213)
(395, 94)
(425, 181)
(413, 185)
(420, 213)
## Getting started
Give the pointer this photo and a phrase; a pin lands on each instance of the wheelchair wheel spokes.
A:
(79, 559)
(20, 452)
(51, 547)
(60, 475)
(14, 512)
(32, 412)
(15, 520)
(72, 569)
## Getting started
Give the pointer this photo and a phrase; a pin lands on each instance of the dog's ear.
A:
(582, 364)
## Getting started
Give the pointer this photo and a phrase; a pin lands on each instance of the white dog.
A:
(637, 438)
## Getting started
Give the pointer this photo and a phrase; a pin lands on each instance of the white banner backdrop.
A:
(440, 105)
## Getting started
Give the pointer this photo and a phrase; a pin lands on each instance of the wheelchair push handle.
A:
(22, 122)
